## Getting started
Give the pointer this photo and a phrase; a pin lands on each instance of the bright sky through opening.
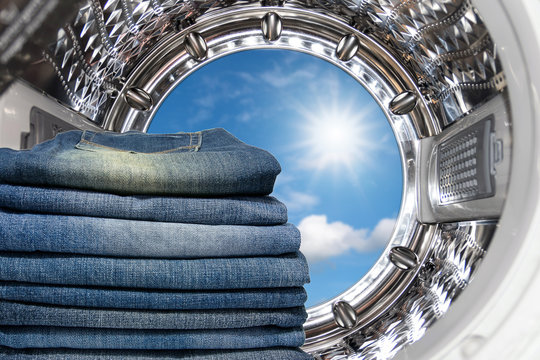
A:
(341, 172)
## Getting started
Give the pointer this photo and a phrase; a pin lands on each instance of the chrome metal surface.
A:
(430, 64)
(374, 67)
(138, 99)
(347, 47)
(431, 209)
(27, 27)
(271, 26)
(169, 63)
(403, 103)
(447, 45)
(443, 43)
(380, 296)
(22, 24)
(403, 258)
(457, 250)
(465, 163)
(344, 314)
(196, 46)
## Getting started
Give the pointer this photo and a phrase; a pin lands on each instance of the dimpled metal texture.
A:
(464, 165)
(94, 52)
(457, 251)
(443, 42)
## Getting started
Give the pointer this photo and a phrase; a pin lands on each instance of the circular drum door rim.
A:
(447, 47)
(237, 29)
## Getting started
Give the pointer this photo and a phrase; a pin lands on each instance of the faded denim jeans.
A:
(240, 210)
(101, 297)
(207, 163)
(67, 354)
(192, 274)
(91, 262)
(21, 337)
(23, 314)
(131, 238)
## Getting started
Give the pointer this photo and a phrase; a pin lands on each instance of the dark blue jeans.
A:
(206, 163)
(22, 314)
(193, 274)
(102, 297)
(21, 337)
(66, 354)
(241, 210)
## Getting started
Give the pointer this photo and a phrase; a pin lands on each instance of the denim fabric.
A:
(207, 163)
(13, 313)
(96, 297)
(67, 354)
(133, 238)
(194, 274)
(85, 338)
(246, 210)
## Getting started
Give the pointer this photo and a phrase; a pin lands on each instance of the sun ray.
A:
(337, 136)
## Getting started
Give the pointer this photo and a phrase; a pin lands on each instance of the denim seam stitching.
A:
(84, 136)
(188, 147)
(199, 140)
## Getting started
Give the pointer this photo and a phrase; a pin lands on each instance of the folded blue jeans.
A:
(20, 337)
(100, 297)
(206, 163)
(241, 210)
(69, 354)
(193, 274)
(22, 314)
(114, 298)
(132, 238)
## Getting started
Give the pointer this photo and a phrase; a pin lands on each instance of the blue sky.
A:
(341, 174)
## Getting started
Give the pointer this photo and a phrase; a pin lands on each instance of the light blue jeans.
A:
(22, 337)
(100, 297)
(22, 314)
(245, 210)
(132, 238)
(206, 163)
(66, 354)
(193, 274)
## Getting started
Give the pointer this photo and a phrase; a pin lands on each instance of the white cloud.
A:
(383, 230)
(280, 76)
(297, 201)
(206, 101)
(278, 79)
(248, 77)
(321, 240)
(245, 117)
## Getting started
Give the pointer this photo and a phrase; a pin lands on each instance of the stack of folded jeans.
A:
(137, 246)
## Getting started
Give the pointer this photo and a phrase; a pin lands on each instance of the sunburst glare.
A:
(336, 137)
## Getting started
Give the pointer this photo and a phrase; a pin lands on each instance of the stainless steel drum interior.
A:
(431, 65)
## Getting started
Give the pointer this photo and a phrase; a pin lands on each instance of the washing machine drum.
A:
(434, 68)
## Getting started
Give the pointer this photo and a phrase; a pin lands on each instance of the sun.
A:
(337, 137)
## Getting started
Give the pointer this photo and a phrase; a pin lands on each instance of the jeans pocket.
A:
(139, 143)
